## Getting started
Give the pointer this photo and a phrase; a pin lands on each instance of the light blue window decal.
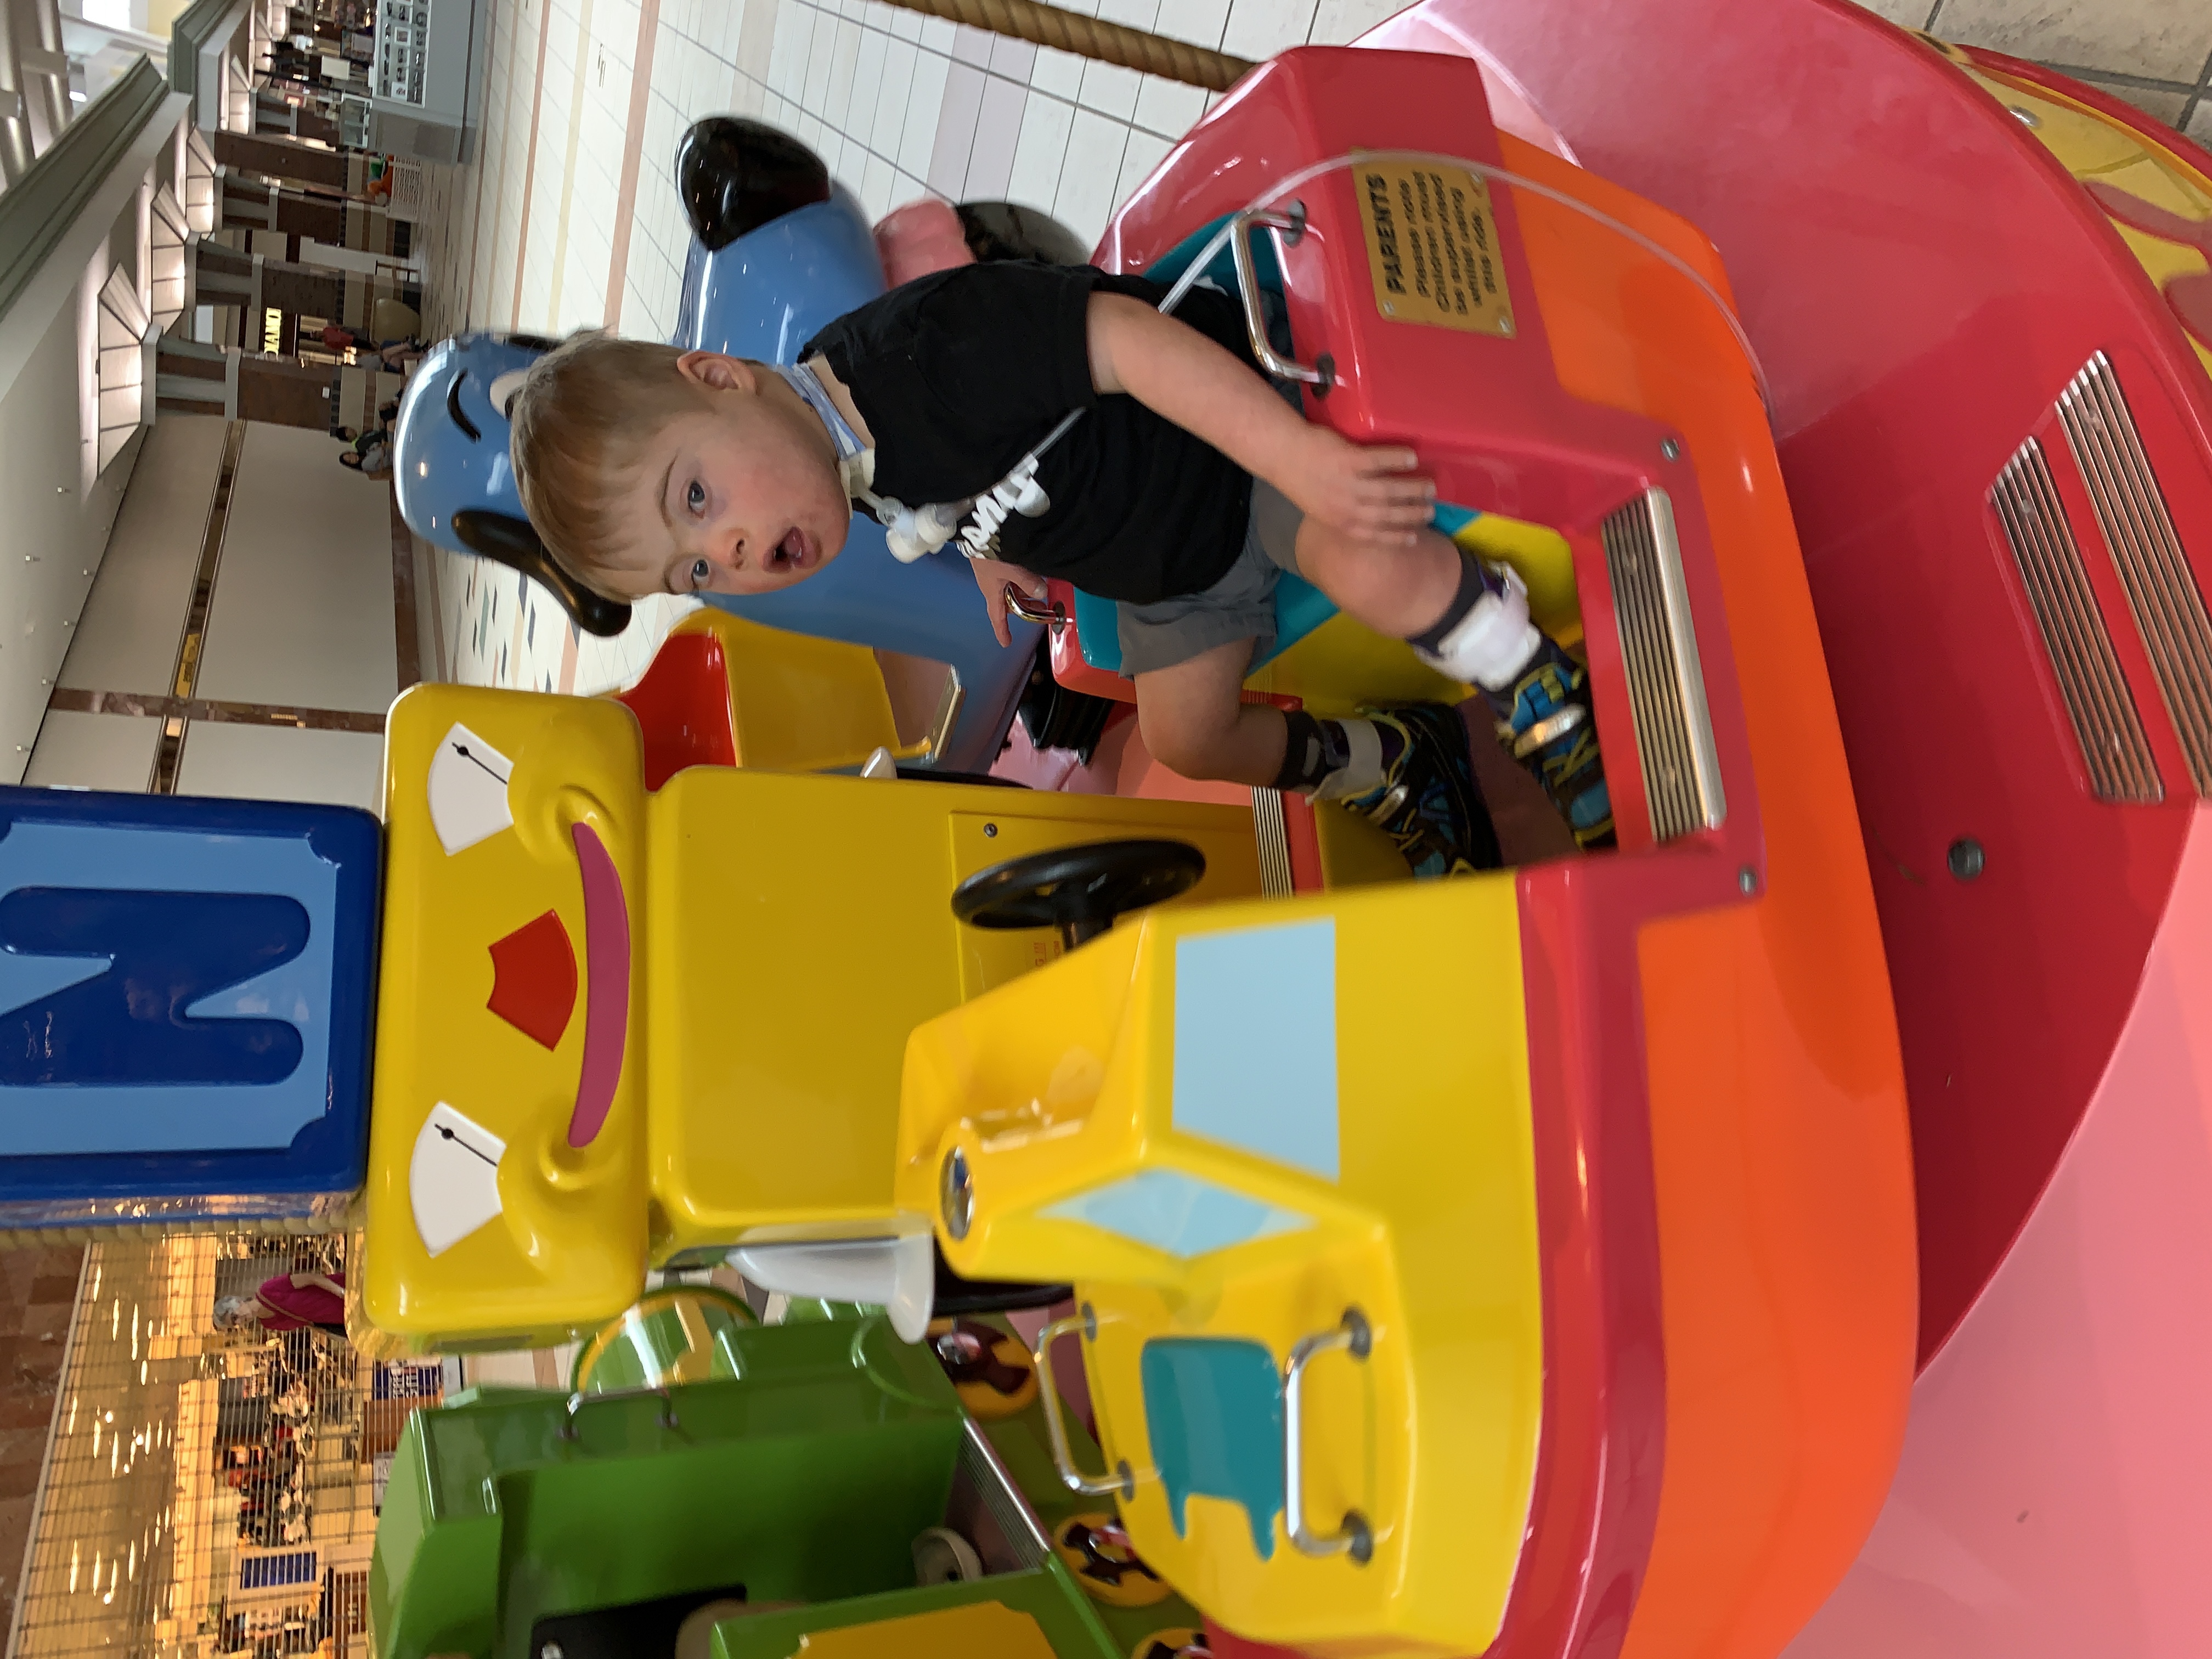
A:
(1214, 1413)
(210, 1101)
(1176, 1212)
(1256, 1041)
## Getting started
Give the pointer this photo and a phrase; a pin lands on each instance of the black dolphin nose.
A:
(514, 544)
(735, 175)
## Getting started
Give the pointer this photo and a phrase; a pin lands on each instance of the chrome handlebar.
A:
(1320, 375)
(1053, 616)
(1121, 1482)
(1353, 1536)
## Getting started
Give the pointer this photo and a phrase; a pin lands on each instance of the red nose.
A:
(533, 979)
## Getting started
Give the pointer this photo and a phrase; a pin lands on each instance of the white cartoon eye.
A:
(453, 1180)
(467, 789)
(503, 388)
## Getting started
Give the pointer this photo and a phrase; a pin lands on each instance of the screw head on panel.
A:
(956, 1193)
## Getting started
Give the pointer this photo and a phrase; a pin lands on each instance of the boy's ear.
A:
(718, 370)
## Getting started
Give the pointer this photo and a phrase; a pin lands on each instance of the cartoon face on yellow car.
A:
(506, 1190)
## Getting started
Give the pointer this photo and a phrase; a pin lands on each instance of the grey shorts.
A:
(1240, 606)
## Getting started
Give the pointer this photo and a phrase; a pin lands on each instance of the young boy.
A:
(1186, 485)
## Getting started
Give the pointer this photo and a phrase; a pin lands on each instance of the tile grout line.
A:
(476, 226)
(530, 161)
(585, 46)
(641, 102)
(868, 148)
(2196, 100)
(511, 138)
(76, 700)
(1074, 104)
(2119, 78)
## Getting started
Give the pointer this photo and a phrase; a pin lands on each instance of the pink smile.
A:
(606, 997)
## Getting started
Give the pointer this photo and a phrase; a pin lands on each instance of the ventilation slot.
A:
(2089, 679)
(2163, 592)
(1666, 685)
(1272, 834)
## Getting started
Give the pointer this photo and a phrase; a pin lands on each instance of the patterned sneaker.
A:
(1544, 721)
(1427, 802)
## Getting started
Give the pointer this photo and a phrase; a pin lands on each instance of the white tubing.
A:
(1284, 187)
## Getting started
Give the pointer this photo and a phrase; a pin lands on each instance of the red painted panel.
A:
(1529, 448)
(1921, 279)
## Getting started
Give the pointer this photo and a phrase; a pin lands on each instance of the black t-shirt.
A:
(959, 373)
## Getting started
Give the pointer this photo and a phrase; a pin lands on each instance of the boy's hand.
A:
(1373, 495)
(992, 575)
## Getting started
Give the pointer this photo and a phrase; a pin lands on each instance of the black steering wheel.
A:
(1078, 890)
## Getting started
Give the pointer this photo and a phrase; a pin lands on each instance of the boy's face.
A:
(742, 496)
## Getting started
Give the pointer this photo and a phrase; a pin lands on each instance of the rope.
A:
(1089, 37)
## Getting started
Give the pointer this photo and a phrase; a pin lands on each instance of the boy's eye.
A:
(701, 571)
(695, 496)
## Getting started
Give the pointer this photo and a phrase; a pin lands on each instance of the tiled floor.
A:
(2155, 54)
(568, 217)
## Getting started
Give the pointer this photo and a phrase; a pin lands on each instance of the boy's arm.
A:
(1371, 494)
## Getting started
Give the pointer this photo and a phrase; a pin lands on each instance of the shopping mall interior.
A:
(235, 233)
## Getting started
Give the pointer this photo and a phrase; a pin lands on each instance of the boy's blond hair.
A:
(585, 413)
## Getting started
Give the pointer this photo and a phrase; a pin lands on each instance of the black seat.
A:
(514, 543)
(735, 175)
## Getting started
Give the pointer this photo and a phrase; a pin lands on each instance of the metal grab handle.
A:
(1053, 616)
(1353, 1537)
(1292, 224)
(1122, 1482)
(569, 1430)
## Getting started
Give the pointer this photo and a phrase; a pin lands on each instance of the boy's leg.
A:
(1193, 724)
(1405, 770)
(1471, 622)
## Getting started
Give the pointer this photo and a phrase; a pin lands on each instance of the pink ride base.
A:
(2051, 1499)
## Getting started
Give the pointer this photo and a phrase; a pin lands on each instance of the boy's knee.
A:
(1188, 741)
(1331, 562)
(1315, 547)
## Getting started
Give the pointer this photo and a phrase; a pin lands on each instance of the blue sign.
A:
(184, 1001)
(156, 959)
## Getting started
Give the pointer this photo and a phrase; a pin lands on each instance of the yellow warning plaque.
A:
(1432, 247)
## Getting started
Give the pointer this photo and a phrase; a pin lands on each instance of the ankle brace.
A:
(1330, 760)
(1485, 634)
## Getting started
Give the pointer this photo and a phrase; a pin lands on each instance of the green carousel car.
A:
(825, 1489)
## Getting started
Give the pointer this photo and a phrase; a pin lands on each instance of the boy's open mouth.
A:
(796, 551)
